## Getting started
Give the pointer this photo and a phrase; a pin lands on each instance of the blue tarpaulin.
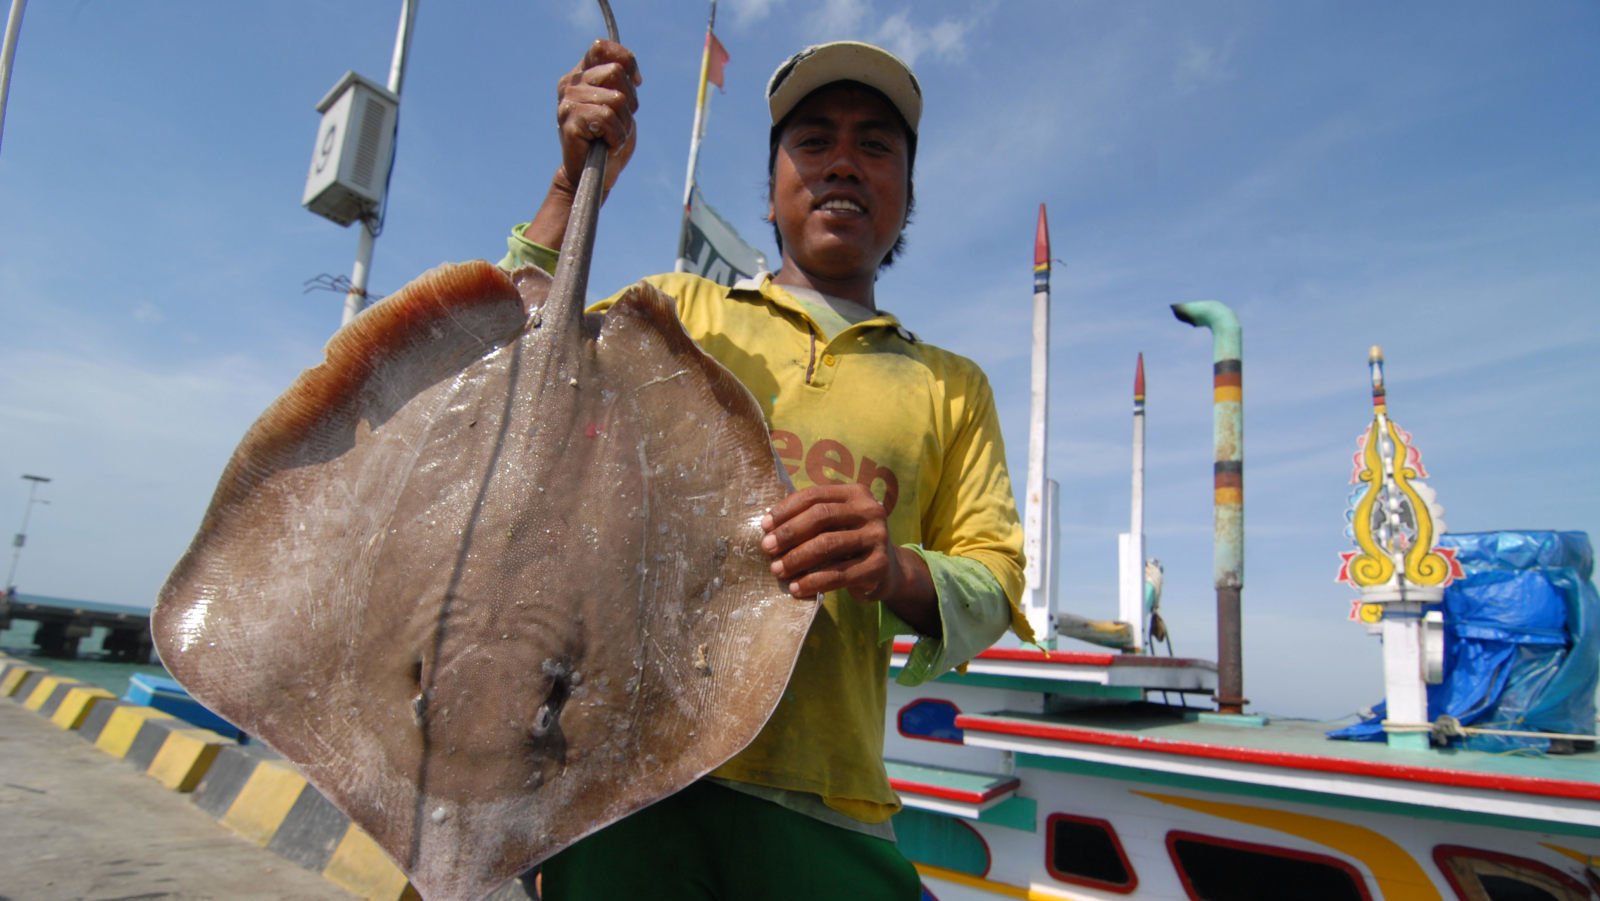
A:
(1522, 640)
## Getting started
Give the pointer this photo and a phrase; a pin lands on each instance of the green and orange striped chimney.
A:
(1227, 420)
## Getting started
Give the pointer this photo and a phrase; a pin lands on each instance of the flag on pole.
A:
(712, 249)
(716, 60)
(707, 245)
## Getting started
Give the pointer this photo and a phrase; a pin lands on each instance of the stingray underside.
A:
(492, 582)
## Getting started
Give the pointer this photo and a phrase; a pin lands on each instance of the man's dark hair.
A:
(911, 165)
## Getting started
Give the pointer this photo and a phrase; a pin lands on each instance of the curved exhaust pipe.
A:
(1228, 523)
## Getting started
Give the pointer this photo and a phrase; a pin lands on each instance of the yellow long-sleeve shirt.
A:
(916, 425)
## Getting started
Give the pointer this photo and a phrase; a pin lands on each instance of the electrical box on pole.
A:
(350, 165)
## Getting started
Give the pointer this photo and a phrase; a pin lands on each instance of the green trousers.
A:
(711, 843)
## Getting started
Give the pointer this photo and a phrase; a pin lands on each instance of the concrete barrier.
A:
(47, 694)
(310, 832)
(95, 720)
(184, 758)
(19, 679)
(264, 800)
(123, 728)
(75, 707)
(358, 865)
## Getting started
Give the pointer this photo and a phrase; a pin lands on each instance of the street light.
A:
(22, 533)
(8, 52)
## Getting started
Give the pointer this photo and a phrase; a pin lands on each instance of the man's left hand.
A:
(831, 537)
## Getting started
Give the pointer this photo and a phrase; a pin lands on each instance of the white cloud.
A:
(1200, 65)
(836, 19)
(945, 40)
(749, 12)
(148, 312)
(585, 15)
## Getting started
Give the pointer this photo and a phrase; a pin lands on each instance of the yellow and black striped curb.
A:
(247, 788)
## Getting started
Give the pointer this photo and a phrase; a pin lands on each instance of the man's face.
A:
(840, 182)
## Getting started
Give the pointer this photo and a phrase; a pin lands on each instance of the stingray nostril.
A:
(543, 719)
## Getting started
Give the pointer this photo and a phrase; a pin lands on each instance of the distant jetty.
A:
(63, 622)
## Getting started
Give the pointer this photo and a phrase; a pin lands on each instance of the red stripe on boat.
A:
(953, 794)
(1075, 658)
(1529, 785)
(1023, 655)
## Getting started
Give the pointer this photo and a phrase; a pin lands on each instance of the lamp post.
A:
(22, 533)
(356, 300)
(8, 52)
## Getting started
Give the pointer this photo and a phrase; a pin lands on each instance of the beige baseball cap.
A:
(824, 64)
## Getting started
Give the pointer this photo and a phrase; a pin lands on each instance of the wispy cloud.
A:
(945, 40)
(749, 12)
(901, 33)
(836, 18)
(585, 15)
(1201, 65)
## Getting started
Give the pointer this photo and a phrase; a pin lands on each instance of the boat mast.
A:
(697, 132)
(1131, 547)
(1039, 539)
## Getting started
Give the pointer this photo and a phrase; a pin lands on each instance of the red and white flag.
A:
(716, 60)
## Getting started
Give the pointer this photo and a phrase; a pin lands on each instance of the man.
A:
(903, 515)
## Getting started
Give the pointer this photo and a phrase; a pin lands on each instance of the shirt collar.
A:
(761, 283)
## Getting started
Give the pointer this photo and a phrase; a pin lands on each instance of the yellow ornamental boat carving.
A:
(1394, 517)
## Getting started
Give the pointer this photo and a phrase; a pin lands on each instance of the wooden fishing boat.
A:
(1065, 772)
(1063, 775)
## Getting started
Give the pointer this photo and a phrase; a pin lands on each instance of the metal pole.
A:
(1405, 688)
(356, 300)
(22, 533)
(8, 51)
(695, 134)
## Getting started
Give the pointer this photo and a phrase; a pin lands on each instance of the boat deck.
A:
(1293, 755)
(1086, 673)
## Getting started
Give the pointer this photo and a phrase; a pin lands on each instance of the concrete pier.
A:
(81, 824)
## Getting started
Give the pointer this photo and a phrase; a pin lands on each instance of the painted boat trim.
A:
(909, 786)
(1272, 793)
(1076, 658)
(1527, 785)
(1076, 672)
(992, 886)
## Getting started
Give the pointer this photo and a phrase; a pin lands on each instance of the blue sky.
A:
(1421, 176)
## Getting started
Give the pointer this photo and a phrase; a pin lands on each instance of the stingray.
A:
(489, 575)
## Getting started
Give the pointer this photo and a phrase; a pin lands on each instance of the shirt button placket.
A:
(827, 367)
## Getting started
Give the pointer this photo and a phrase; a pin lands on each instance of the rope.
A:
(1448, 727)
